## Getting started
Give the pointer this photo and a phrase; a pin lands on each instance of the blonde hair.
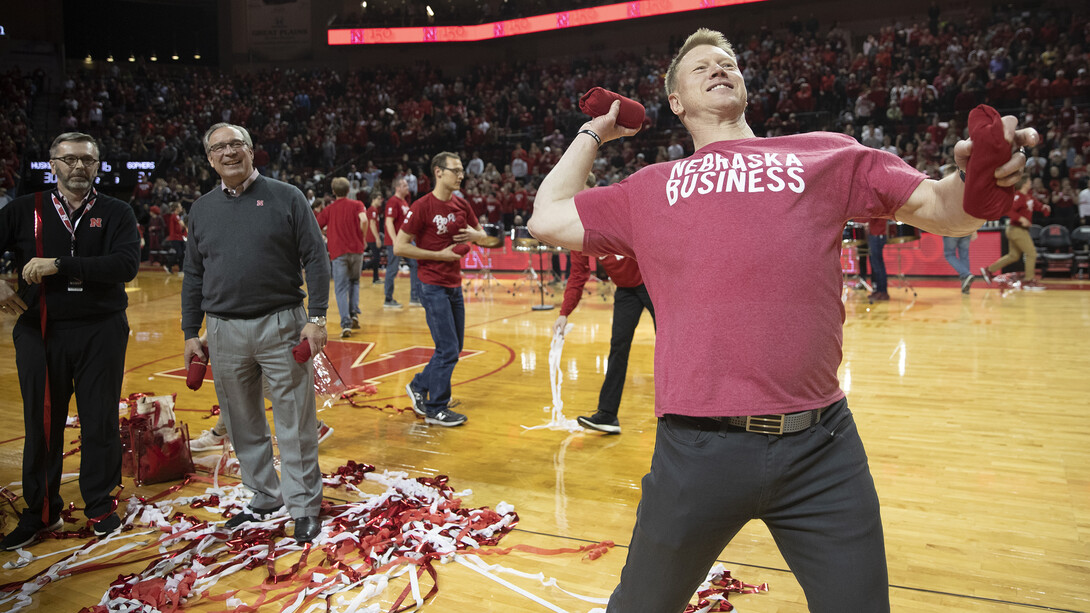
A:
(340, 187)
(703, 36)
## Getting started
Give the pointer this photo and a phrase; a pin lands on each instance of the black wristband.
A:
(595, 136)
(961, 173)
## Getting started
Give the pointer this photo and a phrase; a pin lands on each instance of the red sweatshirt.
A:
(625, 272)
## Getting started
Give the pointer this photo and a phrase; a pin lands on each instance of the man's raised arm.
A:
(555, 220)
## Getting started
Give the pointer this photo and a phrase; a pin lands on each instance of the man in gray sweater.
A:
(250, 240)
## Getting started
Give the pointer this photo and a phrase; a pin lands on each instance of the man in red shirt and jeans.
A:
(343, 221)
(440, 224)
(397, 207)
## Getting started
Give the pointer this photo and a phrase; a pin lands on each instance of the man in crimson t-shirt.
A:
(343, 221)
(440, 224)
(752, 421)
(397, 207)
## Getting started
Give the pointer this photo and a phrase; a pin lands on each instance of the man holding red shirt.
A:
(437, 223)
(752, 421)
(343, 221)
(629, 301)
(397, 207)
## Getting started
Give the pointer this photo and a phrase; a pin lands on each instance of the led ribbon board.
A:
(526, 25)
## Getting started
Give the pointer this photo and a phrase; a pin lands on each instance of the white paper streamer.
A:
(556, 377)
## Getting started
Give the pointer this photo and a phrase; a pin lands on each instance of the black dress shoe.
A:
(306, 528)
(253, 514)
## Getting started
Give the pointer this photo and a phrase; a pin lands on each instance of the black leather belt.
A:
(778, 424)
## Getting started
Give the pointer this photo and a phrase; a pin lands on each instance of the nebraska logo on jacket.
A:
(96, 222)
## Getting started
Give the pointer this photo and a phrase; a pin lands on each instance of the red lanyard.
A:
(68, 222)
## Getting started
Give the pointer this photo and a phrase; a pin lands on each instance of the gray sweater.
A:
(246, 255)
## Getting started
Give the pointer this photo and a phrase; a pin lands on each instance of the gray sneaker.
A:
(602, 422)
(966, 282)
(418, 400)
(446, 417)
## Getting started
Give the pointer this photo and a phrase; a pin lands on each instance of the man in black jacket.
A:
(79, 247)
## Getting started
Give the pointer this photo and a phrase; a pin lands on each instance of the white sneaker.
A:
(209, 441)
(324, 431)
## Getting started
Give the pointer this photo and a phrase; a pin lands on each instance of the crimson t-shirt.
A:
(750, 322)
(433, 223)
(341, 219)
(1021, 206)
(396, 209)
(372, 215)
(175, 229)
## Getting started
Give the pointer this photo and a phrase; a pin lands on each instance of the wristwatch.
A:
(318, 321)
(57, 263)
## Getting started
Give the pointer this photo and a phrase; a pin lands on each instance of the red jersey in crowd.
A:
(433, 223)
(341, 219)
(624, 272)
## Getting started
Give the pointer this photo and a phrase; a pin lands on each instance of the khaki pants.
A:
(1019, 242)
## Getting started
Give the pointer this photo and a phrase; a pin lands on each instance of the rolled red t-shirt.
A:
(301, 352)
(596, 102)
(194, 376)
(983, 198)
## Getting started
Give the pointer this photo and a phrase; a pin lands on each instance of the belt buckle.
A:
(765, 424)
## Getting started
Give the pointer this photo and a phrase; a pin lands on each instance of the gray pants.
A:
(244, 350)
(812, 489)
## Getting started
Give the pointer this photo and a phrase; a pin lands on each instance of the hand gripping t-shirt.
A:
(433, 224)
(739, 246)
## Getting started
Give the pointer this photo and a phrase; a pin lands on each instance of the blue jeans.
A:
(446, 314)
(956, 251)
(346, 285)
(392, 263)
(877, 262)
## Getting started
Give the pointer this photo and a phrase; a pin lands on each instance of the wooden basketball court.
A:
(973, 409)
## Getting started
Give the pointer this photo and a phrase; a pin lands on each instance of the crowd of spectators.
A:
(906, 88)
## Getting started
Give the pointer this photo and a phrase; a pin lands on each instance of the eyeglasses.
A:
(71, 160)
(461, 172)
(221, 148)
